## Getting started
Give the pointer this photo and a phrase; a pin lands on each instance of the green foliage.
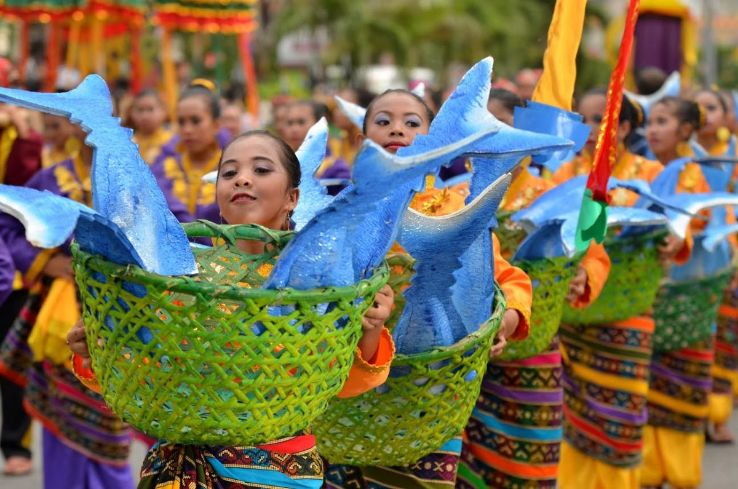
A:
(432, 33)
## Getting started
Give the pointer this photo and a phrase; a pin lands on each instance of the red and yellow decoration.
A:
(593, 213)
(237, 17)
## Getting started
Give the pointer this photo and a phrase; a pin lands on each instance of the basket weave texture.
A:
(685, 312)
(631, 287)
(550, 279)
(425, 402)
(509, 233)
(214, 359)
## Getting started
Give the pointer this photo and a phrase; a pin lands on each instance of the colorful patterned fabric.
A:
(289, 463)
(514, 434)
(605, 378)
(15, 354)
(435, 470)
(725, 369)
(679, 389)
(76, 415)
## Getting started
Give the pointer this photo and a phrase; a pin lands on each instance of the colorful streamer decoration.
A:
(593, 213)
(221, 16)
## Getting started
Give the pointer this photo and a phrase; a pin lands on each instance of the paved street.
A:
(721, 466)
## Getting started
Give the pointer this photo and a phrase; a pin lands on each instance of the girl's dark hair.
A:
(212, 102)
(719, 96)
(686, 111)
(428, 112)
(630, 110)
(288, 158)
(506, 98)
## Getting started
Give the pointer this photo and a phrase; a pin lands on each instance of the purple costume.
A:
(85, 445)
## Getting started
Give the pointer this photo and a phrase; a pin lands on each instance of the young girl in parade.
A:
(514, 434)
(147, 116)
(392, 120)
(84, 444)
(258, 179)
(179, 169)
(606, 366)
(715, 138)
(681, 380)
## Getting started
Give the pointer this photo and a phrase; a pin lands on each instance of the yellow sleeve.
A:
(596, 263)
(365, 375)
(517, 287)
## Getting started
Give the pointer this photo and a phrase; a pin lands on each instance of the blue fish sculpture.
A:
(361, 224)
(51, 220)
(671, 88)
(547, 119)
(313, 195)
(355, 113)
(431, 317)
(124, 191)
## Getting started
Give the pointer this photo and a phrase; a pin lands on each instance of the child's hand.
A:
(372, 323)
(670, 247)
(578, 285)
(510, 321)
(77, 341)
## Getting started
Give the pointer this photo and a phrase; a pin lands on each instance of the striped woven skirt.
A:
(514, 435)
(605, 378)
(435, 470)
(15, 355)
(725, 368)
(681, 382)
(288, 463)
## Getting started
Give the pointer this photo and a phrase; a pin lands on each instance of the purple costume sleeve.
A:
(175, 205)
(11, 230)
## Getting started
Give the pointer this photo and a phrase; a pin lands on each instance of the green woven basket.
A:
(401, 266)
(214, 359)
(509, 233)
(425, 402)
(550, 279)
(631, 287)
(685, 312)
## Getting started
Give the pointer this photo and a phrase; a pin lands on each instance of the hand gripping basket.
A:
(425, 402)
(550, 278)
(214, 359)
(631, 287)
(685, 312)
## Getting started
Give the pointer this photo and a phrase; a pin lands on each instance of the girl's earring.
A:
(286, 225)
(723, 134)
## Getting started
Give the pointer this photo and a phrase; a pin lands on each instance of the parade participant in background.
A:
(20, 160)
(681, 380)
(179, 170)
(526, 81)
(59, 145)
(301, 116)
(511, 437)
(715, 138)
(392, 120)
(258, 179)
(595, 394)
(84, 444)
(231, 119)
(147, 117)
